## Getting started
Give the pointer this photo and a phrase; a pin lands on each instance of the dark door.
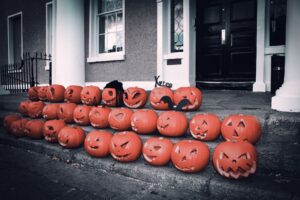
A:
(226, 41)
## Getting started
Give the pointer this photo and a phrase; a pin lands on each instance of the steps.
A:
(278, 172)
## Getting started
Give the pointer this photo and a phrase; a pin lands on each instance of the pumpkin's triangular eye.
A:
(136, 95)
(229, 123)
(157, 148)
(224, 156)
(204, 122)
(194, 152)
(241, 124)
(126, 95)
(124, 144)
(110, 93)
(243, 156)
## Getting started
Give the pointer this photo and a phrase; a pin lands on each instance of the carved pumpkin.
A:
(206, 127)
(144, 121)
(50, 111)
(172, 123)
(72, 94)
(35, 109)
(8, 119)
(90, 95)
(97, 143)
(157, 151)
(190, 156)
(192, 94)
(65, 112)
(125, 146)
(55, 93)
(241, 127)
(33, 93)
(109, 97)
(23, 107)
(135, 97)
(120, 118)
(99, 116)
(42, 93)
(235, 159)
(51, 129)
(156, 95)
(34, 129)
(17, 127)
(71, 137)
(81, 115)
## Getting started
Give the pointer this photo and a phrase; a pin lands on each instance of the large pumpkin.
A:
(235, 159)
(55, 93)
(157, 151)
(241, 128)
(120, 118)
(110, 97)
(51, 129)
(72, 94)
(97, 143)
(135, 97)
(42, 93)
(172, 123)
(81, 115)
(17, 128)
(8, 119)
(71, 137)
(65, 112)
(23, 107)
(90, 95)
(35, 109)
(190, 156)
(34, 129)
(192, 94)
(125, 146)
(156, 95)
(33, 93)
(50, 111)
(206, 127)
(99, 116)
(144, 121)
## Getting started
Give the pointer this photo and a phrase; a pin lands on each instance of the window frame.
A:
(48, 21)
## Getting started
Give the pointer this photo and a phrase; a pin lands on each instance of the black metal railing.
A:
(20, 76)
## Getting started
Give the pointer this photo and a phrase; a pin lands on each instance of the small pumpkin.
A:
(8, 119)
(193, 94)
(35, 109)
(135, 97)
(42, 93)
(99, 116)
(51, 129)
(97, 143)
(172, 123)
(144, 121)
(90, 95)
(190, 156)
(109, 97)
(72, 94)
(23, 107)
(120, 118)
(125, 146)
(81, 115)
(50, 111)
(156, 95)
(55, 93)
(33, 93)
(17, 127)
(71, 137)
(34, 129)
(157, 151)
(65, 112)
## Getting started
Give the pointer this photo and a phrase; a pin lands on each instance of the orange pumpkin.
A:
(34, 129)
(65, 112)
(81, 115)
(23, 107)
(72, 94)
(135, 97)
(17, 127)
(241, 128)
(55, 93)
(97, 143)
(206, 127)
(42, 93)
(8, 119)
(90, 95)
(235, 159)
(71, 137)
(120, 118)
(51, 129)
(35, 109)
(190, 156)
(157, 151)
(192, 94)
(33, 93)
(109, 97)
(125, 146)
(50, 111)
(172, 123)
(156, 95)
(99, 116)
(144, 121)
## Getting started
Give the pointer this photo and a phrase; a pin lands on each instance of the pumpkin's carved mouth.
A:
(236, 174)
(121, 157)
(134, 105)
(191, 105)
(200, 135)
(163, 126)
(64, 143)
(185, 169)
(94, 147)
(150, 158)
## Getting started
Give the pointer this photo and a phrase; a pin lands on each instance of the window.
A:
(277, 22)
(176, 25)
(106, 30)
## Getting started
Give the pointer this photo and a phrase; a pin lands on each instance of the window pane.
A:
(101, 44)
(111, 42)
(119, 22)
(119, 41)
(277, 22)
(101, 24)
(176, 25)
(111, 23)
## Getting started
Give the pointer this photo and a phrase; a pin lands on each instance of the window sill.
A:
(106, 57)
(177, 55)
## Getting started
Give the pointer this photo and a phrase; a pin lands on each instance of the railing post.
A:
(32, 73)
(50, 72)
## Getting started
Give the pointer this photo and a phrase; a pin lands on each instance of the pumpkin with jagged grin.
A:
(110, 97)
(71, 137)
(65, 112)
(135, 97)
(192, 94)
(72, 94)
(17, 128)
(156, 95)
(90, 95)
(97, 143)
(35, 109)
(55, 93)
(8, 119)
(33, 93)
(23, 107)
(50, 111)
(144, 121)
(172, 123)
(99, 116)
(34, 129)
(51, 129)
(120, 118)
(42, 93)
(81, 115)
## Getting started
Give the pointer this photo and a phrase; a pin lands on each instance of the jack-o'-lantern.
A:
(72, 94)
(71, 137)
(120, 118)
(135, 97)
(65, 112)
(51, 129)
(23, 107)
(235, 159)
(50, 111)
(33, 93)
(42, 93)
(192, 94)
(55, 93)
(206, 127)
(109, 97)
(241, 127)
(97, 143)
(144, 121)
(81, 115)
(34, 129)
(157, 151)
(125, 146)
(156, 95)
(35, 109)
(8, 119)
(172, 123)
(90, 95)
(99, 116)
(17, 128)
(190, 156)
